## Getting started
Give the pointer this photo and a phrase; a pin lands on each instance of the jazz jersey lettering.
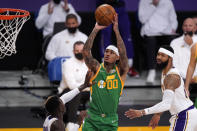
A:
(106, 92)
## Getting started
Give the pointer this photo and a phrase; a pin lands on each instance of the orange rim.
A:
(9, 17)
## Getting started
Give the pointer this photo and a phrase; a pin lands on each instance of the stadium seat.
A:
(55, 69)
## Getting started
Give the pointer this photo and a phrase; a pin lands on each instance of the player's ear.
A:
(170, 58)
(117, 58)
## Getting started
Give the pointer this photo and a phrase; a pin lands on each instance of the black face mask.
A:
(190, 33)
(162, 65)
(56, 1)
(72, 30)
(79, 56)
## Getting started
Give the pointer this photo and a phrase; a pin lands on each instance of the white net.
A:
(11, 22)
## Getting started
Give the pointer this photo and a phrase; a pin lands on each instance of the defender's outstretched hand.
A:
(131, 113)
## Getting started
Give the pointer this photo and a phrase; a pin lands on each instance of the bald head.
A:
(189, 25)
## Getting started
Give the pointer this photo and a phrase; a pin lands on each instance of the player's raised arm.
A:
(91, 62)
(123, 65)
(191, 67)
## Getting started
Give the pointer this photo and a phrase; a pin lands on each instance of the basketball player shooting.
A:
(55, 108)
(175, 99)
(109, 78)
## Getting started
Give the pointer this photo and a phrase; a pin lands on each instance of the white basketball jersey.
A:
(181, 101)
(48, 122)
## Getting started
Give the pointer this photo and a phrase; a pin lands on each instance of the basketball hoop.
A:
(11, 22)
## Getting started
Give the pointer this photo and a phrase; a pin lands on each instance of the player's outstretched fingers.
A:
(131, 113)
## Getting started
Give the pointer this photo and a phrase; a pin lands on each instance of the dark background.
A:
(29, 41)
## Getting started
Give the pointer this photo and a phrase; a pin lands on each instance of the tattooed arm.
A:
(172, 81)
(91, 62)
(123, 65)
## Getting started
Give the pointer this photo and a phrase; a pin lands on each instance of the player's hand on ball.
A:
(99, 27)
(115, 22)
(131, 113)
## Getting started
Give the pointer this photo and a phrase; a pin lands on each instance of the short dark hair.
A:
(167, 47)
(69, 16)
(78, 43)
(52, 104)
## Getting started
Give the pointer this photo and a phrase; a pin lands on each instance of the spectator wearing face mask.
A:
(73, 75)
(62, 43)
(51, 12)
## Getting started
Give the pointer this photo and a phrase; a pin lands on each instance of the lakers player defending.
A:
(184, 114)
(55, 108)
(109, 78)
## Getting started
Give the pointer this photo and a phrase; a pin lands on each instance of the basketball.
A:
(104, 14)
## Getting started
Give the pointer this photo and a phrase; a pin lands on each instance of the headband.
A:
(115, 49)
(167, 52)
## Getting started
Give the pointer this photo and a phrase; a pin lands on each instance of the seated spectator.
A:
(51, 12)
(124, 27)
(182, 46)
(73, 75)
(158, 19)
(62, 43)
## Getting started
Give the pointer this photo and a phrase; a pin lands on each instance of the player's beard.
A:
(162, 65)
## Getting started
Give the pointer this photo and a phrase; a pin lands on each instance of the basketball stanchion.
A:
(11, 22)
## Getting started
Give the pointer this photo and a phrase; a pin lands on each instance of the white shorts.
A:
(184, 121)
